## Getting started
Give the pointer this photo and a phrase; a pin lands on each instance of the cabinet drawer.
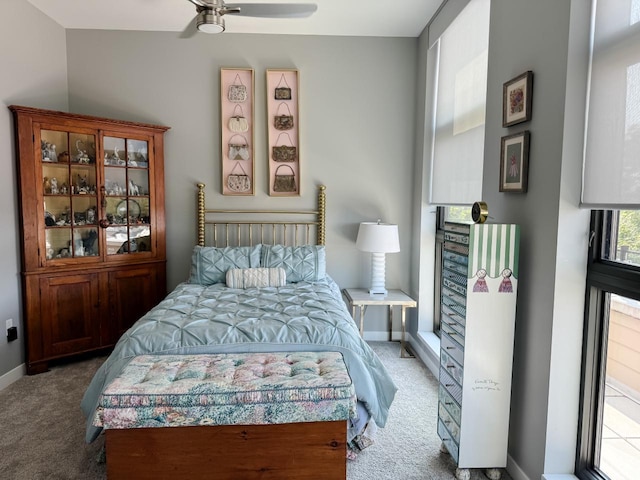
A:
(456, 267)
(451, 348)
(450, 423)
(457, 227)
(449, 403)
(451, 328)
(456, 247)
(453, 368)
(456, 257)
(447, 282)
(454, 301)
(451, 385)
(459, 279)
(454, 315)
(449, 443)
(457, 237)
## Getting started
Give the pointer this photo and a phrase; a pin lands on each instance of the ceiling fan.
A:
(210, 12)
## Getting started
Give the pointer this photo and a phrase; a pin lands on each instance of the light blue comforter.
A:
(216, 319)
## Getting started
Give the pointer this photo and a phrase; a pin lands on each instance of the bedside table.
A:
(360, 297)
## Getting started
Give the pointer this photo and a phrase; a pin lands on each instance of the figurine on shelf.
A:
(46, 185)
(81, 184)
(52, 152)
(48, 151)
(91, 215)
(134, 189)
(82, 156)
(63, 157)
(64, 189)
(54, 186)
(89, 243)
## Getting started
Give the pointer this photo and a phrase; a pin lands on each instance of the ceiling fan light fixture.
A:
(209, 21)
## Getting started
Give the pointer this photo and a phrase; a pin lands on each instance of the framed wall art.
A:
(283, 125)
(514, 162)
(516, 101)
(237, 129)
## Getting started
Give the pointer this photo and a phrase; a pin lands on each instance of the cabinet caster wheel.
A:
(463, 474)
(443, 448)
(493, 473)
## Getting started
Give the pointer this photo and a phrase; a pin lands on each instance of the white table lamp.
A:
(378, 238)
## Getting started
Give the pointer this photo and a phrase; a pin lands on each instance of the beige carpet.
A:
(42, 428)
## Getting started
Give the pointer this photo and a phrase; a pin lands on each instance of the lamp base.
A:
(377, 274)
(378, 292)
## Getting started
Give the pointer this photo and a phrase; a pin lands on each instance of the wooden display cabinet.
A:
(93, 247)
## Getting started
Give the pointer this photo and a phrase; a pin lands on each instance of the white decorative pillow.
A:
(256, 277)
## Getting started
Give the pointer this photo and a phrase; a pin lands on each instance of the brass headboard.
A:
(251, 227)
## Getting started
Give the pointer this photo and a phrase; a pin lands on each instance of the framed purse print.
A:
(237, 128)
(283, 125)
(516, 99)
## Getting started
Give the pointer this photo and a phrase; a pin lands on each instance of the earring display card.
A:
(283, 138)
(237, 127)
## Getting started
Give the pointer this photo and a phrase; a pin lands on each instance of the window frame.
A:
(604, 277)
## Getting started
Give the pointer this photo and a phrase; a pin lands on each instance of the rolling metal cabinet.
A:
(478, 304)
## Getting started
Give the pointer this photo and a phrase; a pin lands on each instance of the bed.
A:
(305, 313)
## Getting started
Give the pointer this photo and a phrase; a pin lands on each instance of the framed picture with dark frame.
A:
(516, 99)
(514, 162)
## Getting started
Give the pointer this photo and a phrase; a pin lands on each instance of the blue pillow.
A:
(303, 263)
(209, 265)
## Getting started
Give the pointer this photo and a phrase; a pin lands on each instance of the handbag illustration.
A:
(237, 122)
(283, 122)
(237, 182)
(237, 91)
(282, 93)
(284, 182)
(238, 151)
(284, 153)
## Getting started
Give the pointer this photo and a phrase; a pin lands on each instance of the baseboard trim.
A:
(381, 336)
(514, 470)
(12, 376)
(559, 476)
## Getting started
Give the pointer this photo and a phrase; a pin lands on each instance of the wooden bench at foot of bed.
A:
(297, 451)
(228, 416)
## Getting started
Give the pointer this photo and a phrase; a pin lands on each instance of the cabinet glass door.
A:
(126, 190)
(69, 194)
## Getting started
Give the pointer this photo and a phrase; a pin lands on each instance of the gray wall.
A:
(550, 38)
(34, 72)
(356, 127)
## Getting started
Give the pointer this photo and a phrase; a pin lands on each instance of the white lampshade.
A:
(378, 238)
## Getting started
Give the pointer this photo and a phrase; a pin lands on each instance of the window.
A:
(455, 124)
(609, 441)
(444, 214)
(457, 79)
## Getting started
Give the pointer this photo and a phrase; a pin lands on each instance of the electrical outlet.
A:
(12, 334)
(9, 323)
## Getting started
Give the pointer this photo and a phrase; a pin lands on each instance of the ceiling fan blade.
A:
(200, 3)
(190, 30)
(273, 10)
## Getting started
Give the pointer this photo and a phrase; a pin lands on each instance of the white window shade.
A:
(459, 93)
(611, 173)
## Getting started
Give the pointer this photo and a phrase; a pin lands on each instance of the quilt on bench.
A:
(228, 389)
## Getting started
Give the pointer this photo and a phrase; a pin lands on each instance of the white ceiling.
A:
(384, 18)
